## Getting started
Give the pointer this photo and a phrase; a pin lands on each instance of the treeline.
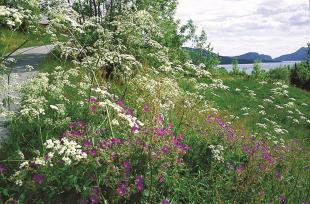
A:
(297, 75)
(300, 75)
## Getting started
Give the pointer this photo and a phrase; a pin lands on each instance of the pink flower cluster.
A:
(224, 126)
(76, 129)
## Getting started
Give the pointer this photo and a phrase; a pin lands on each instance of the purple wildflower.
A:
(93, 100)
(121, 190)
(85, 151)
(38, 178)
(262, 167)
(161, 118)
(138, 142)
(127, 165)
(177, 143)
(230, 136)
(146, 108)
(2, 168)
(139, 183)
(181, 137)
(87, 143)
(278, 176)
(165, 149)
(161, 179)
(71, 125)
(47, 158)
(130, 111)
(81, 124)
(92, 108)
(116, 140)
(134, 129)
(94, 199)
(282, 199)
(96, 190)
(246, 149)
(269, 158)
(93, 152)
(120, 103)
(240, 169)
(255, 148)
(209, 119)
(113, 156)
(160, 131)
(171, 126)
(220, 122)
(165, 201)
(102, 144)
(76, 133)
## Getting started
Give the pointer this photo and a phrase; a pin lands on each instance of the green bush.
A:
(300, 75)
(220, 72)
(258, 72)
(235, 68)
(280, 73)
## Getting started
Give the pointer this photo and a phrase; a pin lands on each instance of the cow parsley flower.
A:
(217, 151)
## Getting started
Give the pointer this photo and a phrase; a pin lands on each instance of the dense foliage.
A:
(300, 75)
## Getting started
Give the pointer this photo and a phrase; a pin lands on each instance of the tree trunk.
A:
(95, 8)
(81, 7)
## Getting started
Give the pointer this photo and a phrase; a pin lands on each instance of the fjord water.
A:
(266, 66)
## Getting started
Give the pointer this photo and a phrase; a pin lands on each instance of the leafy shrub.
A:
(281, 73)
(27, 5)
(258, 72)
(235, 68)
(15, 18)
(220, 72)
(300, 75)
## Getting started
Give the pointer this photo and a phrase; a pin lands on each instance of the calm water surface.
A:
(266, 66)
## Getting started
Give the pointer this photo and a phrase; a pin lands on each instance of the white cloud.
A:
(273, 27)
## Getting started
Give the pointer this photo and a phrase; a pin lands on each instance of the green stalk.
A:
(109, 120)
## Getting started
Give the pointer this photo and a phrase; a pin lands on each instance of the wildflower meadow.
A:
(119, 113)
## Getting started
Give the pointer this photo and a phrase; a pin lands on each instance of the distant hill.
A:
(228, 60)
(250, 57)
(247, 58)
(299, 55)
(254, 56)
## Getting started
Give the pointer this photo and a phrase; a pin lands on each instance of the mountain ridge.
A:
(250, 57)
(299, 55)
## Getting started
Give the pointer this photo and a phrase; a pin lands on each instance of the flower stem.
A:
(109, 120)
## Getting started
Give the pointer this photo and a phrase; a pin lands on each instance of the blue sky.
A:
(272, 27)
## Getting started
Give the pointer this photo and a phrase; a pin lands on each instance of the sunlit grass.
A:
(11, 40)
(233, 102)
(51, 61)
